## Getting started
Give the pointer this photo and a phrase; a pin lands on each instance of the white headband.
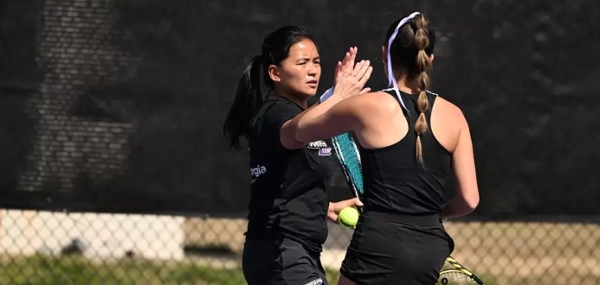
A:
(391, 78)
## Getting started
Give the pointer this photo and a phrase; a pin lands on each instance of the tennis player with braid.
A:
(409, 140)
(288, 211)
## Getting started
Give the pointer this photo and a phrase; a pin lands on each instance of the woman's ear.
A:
(274, 73)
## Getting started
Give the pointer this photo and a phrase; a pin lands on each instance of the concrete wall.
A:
(101, 235)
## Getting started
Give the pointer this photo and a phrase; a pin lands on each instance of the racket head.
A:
(459, 267)
(456, 277)
(349, 158)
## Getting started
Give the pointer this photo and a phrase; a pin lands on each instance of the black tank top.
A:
(395, 181)
(288, 194)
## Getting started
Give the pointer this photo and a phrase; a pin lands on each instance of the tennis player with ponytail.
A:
(409, 140)
(288, 211)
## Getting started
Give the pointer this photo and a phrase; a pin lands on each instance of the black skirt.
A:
(396, 249)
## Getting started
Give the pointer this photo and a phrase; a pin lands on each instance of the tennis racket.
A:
(458, 276)
(349, 158)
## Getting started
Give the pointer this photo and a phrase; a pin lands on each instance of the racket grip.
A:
(326, 95)
(360, 209)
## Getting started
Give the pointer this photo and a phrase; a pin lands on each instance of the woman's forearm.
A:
(457, 207)
(310, 117)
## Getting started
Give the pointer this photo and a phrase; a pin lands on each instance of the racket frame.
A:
(454, 272)
(464, 270)
(342, 160)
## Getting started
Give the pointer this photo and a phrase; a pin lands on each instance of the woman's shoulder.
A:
(377, 101)
(447, 107)
(372, 104)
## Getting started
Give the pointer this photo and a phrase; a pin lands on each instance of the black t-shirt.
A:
(289, 187)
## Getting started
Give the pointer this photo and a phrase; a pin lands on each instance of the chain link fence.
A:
(86, 248)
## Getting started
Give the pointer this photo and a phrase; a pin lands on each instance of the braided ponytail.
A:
(423, 64)
(410, 42)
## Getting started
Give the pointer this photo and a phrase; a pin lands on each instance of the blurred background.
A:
(114, 169)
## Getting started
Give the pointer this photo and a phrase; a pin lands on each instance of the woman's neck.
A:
(407, 86)
(300, 101)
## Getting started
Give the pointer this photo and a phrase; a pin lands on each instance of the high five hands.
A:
(350, 78)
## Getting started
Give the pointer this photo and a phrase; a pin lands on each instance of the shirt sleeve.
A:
(273, 120)
(276, 116)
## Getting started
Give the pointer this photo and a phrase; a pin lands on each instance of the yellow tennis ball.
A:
(348, 217)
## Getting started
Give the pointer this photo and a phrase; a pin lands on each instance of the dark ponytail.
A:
(248, 99)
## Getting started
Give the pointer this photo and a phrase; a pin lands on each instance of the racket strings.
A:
(350, 157)
(455, 277)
